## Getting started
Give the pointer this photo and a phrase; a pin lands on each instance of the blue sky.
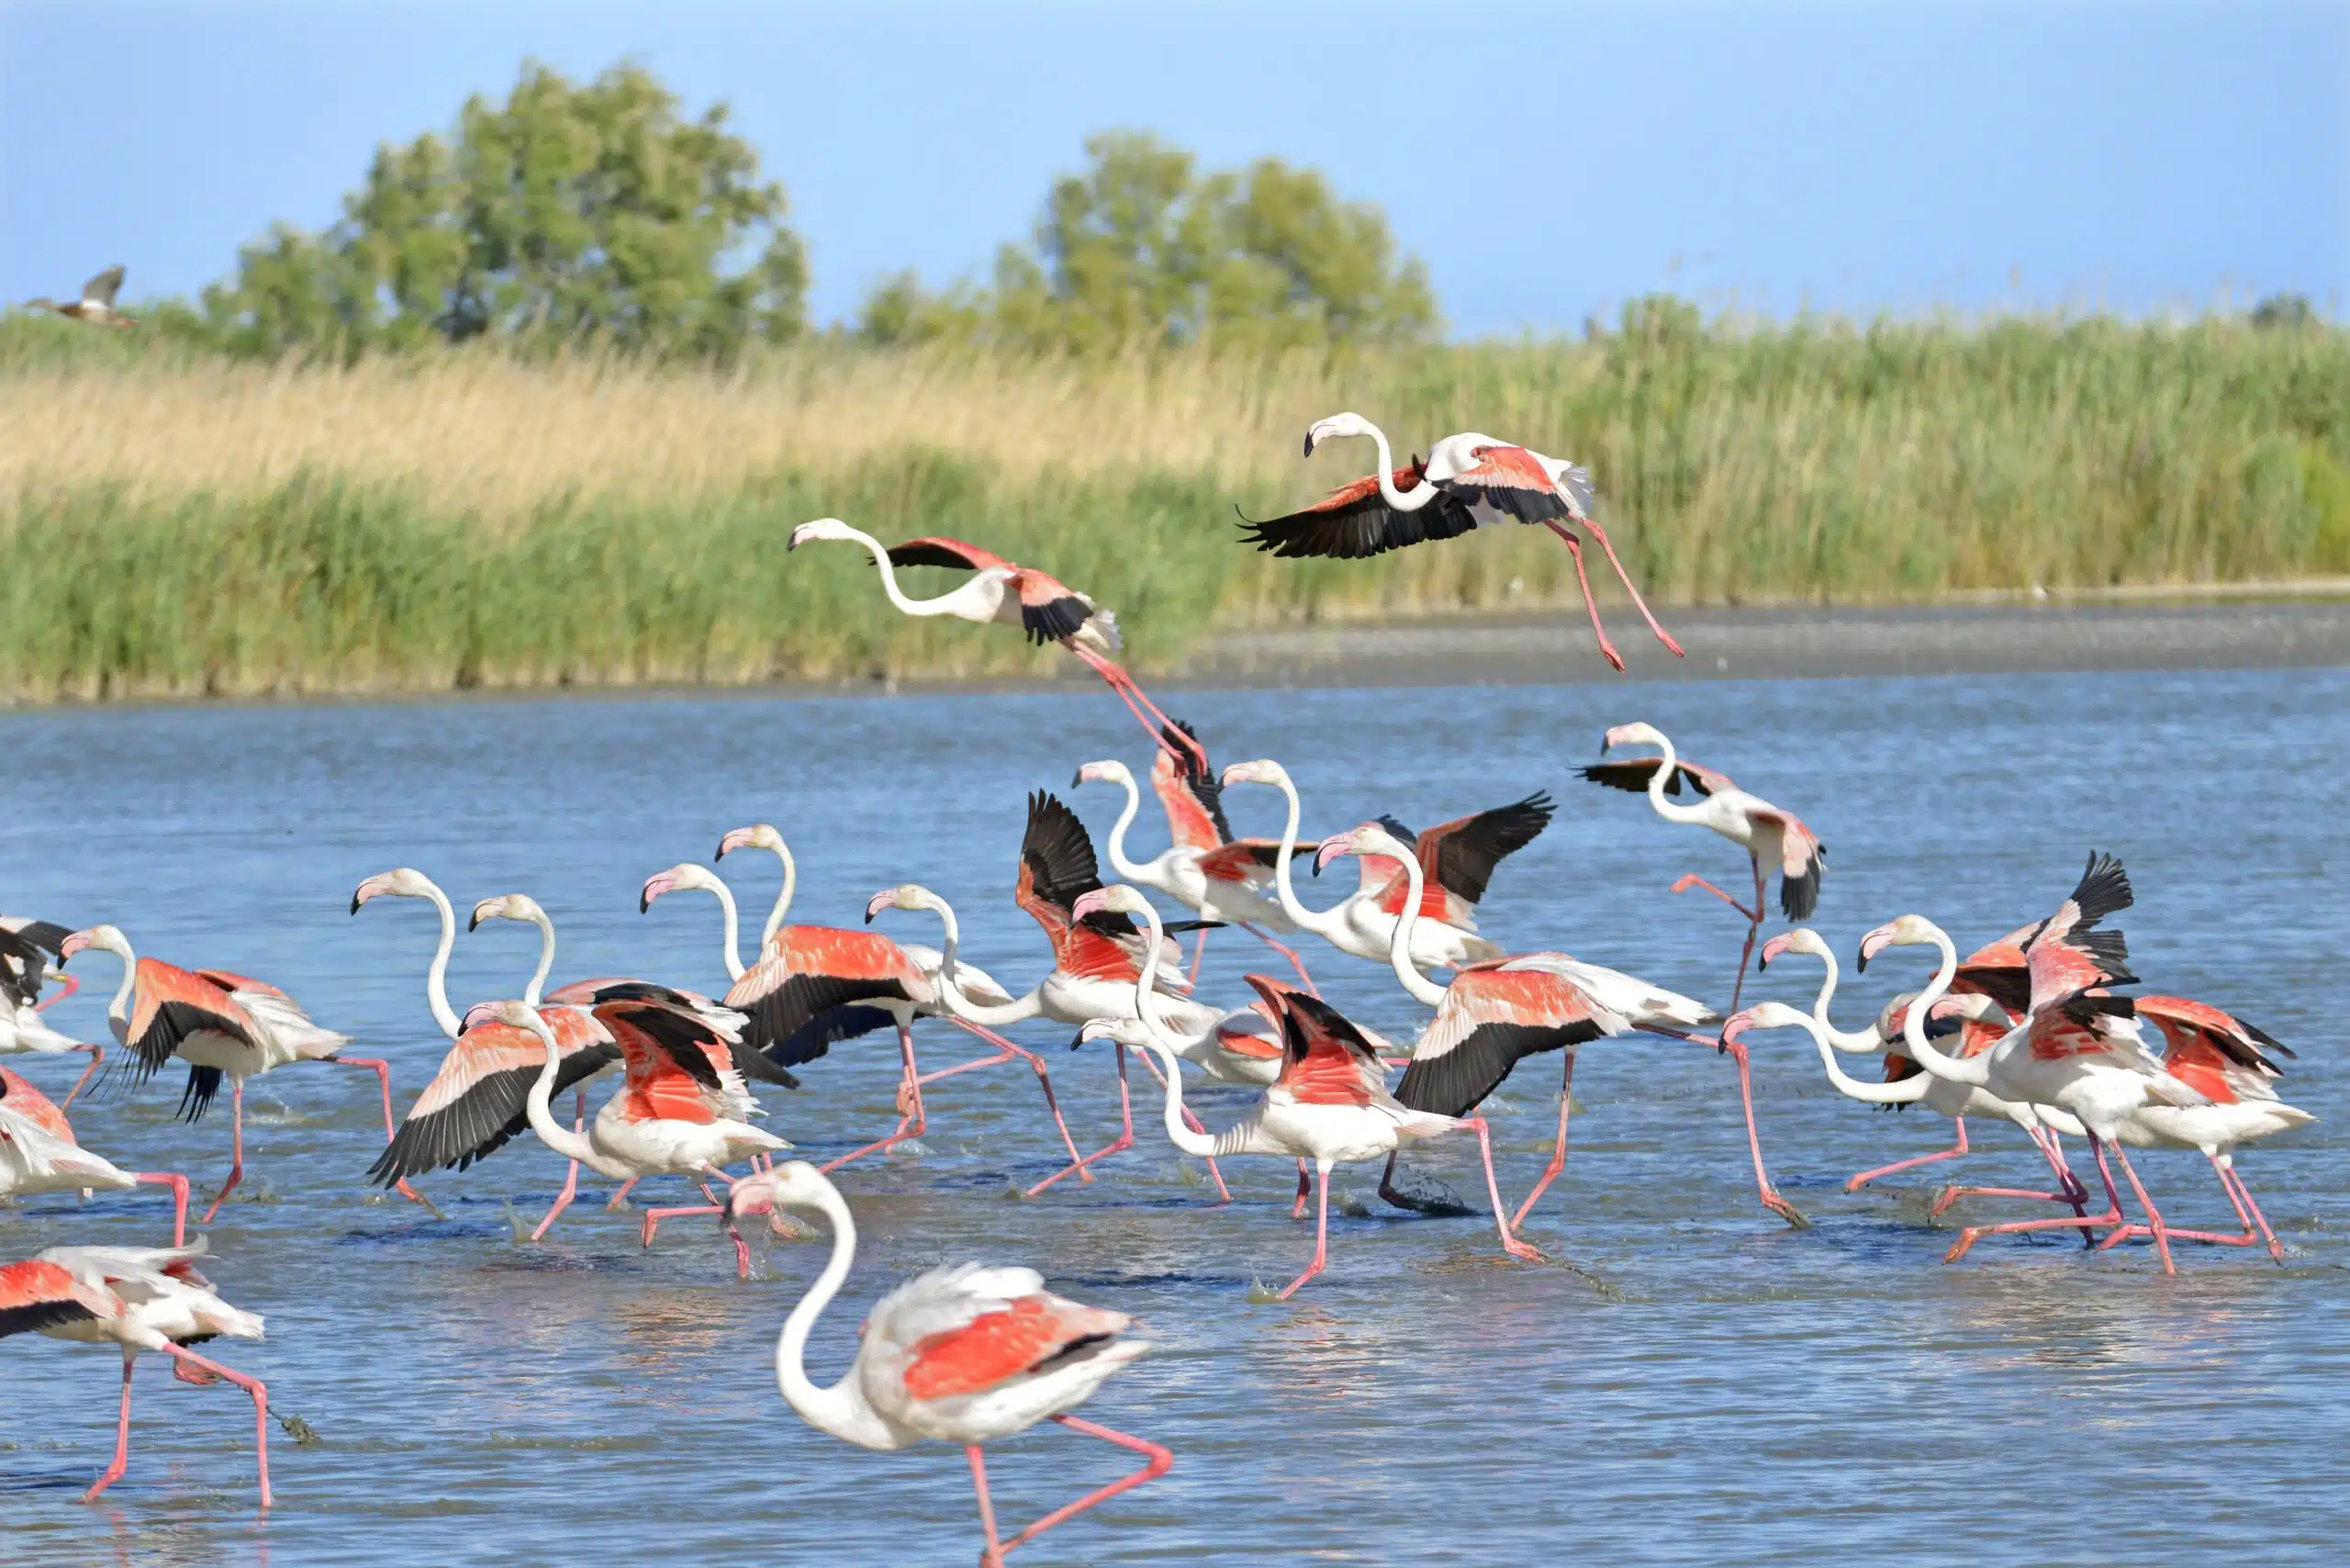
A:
(1546, 160)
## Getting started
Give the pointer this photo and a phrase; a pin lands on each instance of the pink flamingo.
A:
(1496, 1013)
(38, 1153)
(962, 1355)
(1007, 594)
(28, 954)
(140, 1299)
(1468, 481)
(222, 1025)
(1768, 834)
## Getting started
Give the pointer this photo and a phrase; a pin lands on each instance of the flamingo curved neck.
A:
(119, 1010)
(782, 899)
(1974, 1072)
(732, 935)
(554, 1134)
(1666, 768)
(1128, 870)
(1147, 978)
(880, 553)
(1401, 500)
(1326, 924)
(1399, 944)
(1200, 1145)
(1014, 1012)
(1865, 1043)
(1907, 1091)
(546, 962)
(436, 979)
(841, 1409)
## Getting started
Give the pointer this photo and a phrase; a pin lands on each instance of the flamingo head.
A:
(511, 1013)
(507, 906)
(106, 938)
(821, 528)
(1909, 931)
(1118, 898)
(1802, 939)
(685, 874)
(794, 1184)
(1108, 771)
(906, 895)
(1370, 838)
(758, 835)
(1335, 425)
(1124, 1031)
(401, 882)
(1263, 770)
(1761, 1015)
(1630, 735)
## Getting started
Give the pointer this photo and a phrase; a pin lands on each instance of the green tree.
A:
(1143, 247)
(567, 213)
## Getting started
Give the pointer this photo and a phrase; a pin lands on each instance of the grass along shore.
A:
(177, 524)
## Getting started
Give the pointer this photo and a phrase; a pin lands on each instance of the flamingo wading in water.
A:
(966, 1355)
(1468, 481)
(38, 1153)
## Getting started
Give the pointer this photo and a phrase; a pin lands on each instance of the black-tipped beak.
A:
(643, 902)
(722, 852)
(869, 914)
(474, 924)
(1864, 965)
(355, 904)
(1762, 963)
(1076, 1039)
(1309, 443)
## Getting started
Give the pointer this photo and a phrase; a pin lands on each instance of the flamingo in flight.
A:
(28, 954)
(1468, 481)
(476, 1102)
(138, 1299)
(1496, 1013)
(1769, 835)
(222, 1025)
(1096, 961)
(95, 307)
(1001, 591)
(38, 1153)
(1978, 1021)
(966, 1355)
(1456, 862)
(2078, 1048)
(815, 985)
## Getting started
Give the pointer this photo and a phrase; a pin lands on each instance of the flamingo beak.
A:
(1330, 851)
(1089, 904)
(878, 903)
(1875, 943)
(71, 946)
(654, 886)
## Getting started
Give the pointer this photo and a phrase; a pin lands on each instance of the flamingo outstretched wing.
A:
(478, 1101)
(1496, 1014)
(1354, 522)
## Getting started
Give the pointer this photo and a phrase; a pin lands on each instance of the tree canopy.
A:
(567, 213)
(1142, 247)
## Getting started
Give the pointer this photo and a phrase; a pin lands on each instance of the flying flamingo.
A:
(960, 1355)
(1979, 1022)
(141, 1299)
(1468, 481)
(1767, 834)
(1496, 1013)
(2079, 1050)
(28, 956)
(1330, 1105)
(95, 307)
(1005, 593)
(1456, 861)
(222, 1025)
(40, 1154)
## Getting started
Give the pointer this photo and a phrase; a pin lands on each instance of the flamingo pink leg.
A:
(1199, 955)
(237, 1149)
(911, 1120)
(384, 1077)
(2069, 1188)
(2085, 1223)
(1952, 1152)
(620, 1199)
(113, 1472)
(1305, 1185)
(2243, 1238)
(1321, 1231)
(1267, 937)
(652, 1218)
(66, 986)
(1558, 1153)
(97, 1055)
(178, 1184)
(1753, 918)
(1642, 605)
(2235, 1179)
(1007, 1051)
(1119, 1145)
(571, 1177)
(2146, 1204)
(188, 1360)
(1764, 1190)
(1158, 1462)
(1510, 1243)
(1137, 702)
(1575, 547)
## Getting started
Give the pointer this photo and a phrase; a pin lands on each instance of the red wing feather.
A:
(952, 554)
(996, 1347)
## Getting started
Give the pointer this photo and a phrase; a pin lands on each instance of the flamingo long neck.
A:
(119, 1010)
(840, 1409)
(1972, 1070)
(436, 979)
(1665, 768)
(1864, 1043)
(1399, 944)
(732, 935)
(1906, 1092)
(1325, 924)
(782, 899)
(554, 1134)
(1147, 978)
(1233, 1139)
(1129, 870)
(1017, 1011)
(1401, 500)
(880, 553)
(546, 962)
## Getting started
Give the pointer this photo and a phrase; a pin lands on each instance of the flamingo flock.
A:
(2040, 1029)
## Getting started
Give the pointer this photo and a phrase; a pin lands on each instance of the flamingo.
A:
(1496, 1013)
(95, 307)
(1007, 594)
(1468, 481)
(28, 954)
(1463, 855)
(1978, 1020)
(140, 1299)
(222, 1025)
(2078, 1049)
(40, 1154)
(1766, 832)
(1330, 1105)
(476, 1102)
(678, 1112)
(1095, 961)
(962, 1355)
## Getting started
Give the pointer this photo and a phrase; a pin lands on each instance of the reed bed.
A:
(177, 524)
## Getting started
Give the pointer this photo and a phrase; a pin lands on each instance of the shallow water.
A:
(1701, 1383)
